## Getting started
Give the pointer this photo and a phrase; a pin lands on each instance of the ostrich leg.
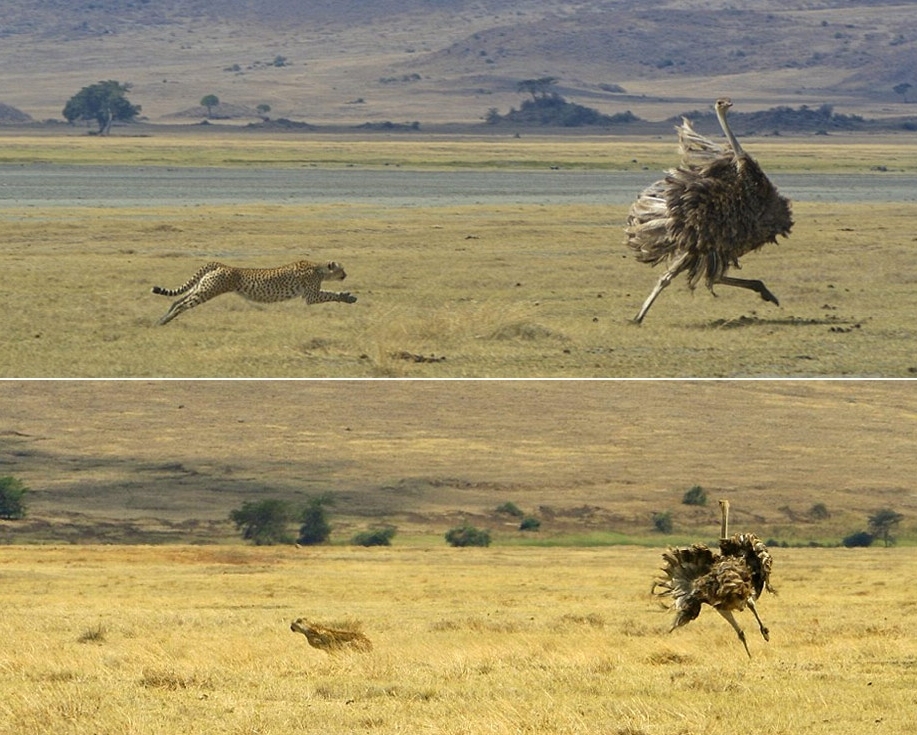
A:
(764, 631)
(676, 268)
(757, 286)
(730, 618)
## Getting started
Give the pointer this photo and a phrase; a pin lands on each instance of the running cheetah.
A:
(264, 285)
(331, 639)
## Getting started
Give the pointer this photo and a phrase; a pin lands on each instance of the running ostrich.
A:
(728, 581)
(707, 213)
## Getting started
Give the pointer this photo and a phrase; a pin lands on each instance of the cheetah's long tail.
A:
(189, 284)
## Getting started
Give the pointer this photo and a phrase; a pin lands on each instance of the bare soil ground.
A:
(143, 461)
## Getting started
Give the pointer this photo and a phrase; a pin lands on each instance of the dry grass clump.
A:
(331, 639)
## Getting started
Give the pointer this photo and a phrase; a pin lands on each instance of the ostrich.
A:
(728, 581)
(707, 213)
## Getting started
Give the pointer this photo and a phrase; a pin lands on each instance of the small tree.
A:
(902, 89)
(695, 496)
(882, 522)
(263, 109)
(264, 522)
(530, 523)
(103, 102)
(537, 87)
(467, 536)
(314, 528)
(12, 498)
(210, 101)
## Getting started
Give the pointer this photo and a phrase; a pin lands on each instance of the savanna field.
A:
(547, 632)
(197, 640)
(448, 290)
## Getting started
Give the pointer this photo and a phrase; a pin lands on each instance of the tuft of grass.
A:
(95, 634)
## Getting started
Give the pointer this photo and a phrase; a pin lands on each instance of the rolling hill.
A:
(438, 61)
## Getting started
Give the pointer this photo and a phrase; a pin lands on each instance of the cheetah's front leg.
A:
(323, 296)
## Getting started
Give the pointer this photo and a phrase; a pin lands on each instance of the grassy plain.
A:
(166, 461)
(485, 291)
(159, 640)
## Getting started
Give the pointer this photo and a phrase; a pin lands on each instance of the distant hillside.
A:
(10, 114)
(371, 61)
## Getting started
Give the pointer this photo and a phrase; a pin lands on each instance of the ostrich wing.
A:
(694, 148)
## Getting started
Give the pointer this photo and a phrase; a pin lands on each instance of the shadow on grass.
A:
(836, 324)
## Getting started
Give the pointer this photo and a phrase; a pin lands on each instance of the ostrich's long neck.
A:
(736, 148)
(724, 527)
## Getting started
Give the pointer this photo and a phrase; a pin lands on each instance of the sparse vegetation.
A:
(551, 109)
(530, 523)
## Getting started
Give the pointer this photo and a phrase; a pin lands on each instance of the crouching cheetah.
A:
(264, 285)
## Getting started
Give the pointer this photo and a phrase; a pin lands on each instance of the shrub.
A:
(510, 509)
(12, 498)
(819, 512)
(467, 536)
(860, 538)
(695, 496)
(375, 537)
(530, 523)
(662, 522)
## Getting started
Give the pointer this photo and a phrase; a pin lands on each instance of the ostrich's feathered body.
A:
(707, 213)
(729, 580)
(696, 574)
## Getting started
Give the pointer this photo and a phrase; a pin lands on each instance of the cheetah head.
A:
(301, 625)
(333, 271)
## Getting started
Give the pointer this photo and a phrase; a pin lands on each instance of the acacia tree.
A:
(537, 87)
(264, 522)
(103, 102)
(210, 101)
(882, 522)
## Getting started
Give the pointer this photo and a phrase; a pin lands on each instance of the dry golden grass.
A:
(197, 640)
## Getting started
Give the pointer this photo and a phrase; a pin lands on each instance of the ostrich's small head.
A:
(723, 104)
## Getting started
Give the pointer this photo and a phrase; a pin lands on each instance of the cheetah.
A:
(331, 640)
(264, 285)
